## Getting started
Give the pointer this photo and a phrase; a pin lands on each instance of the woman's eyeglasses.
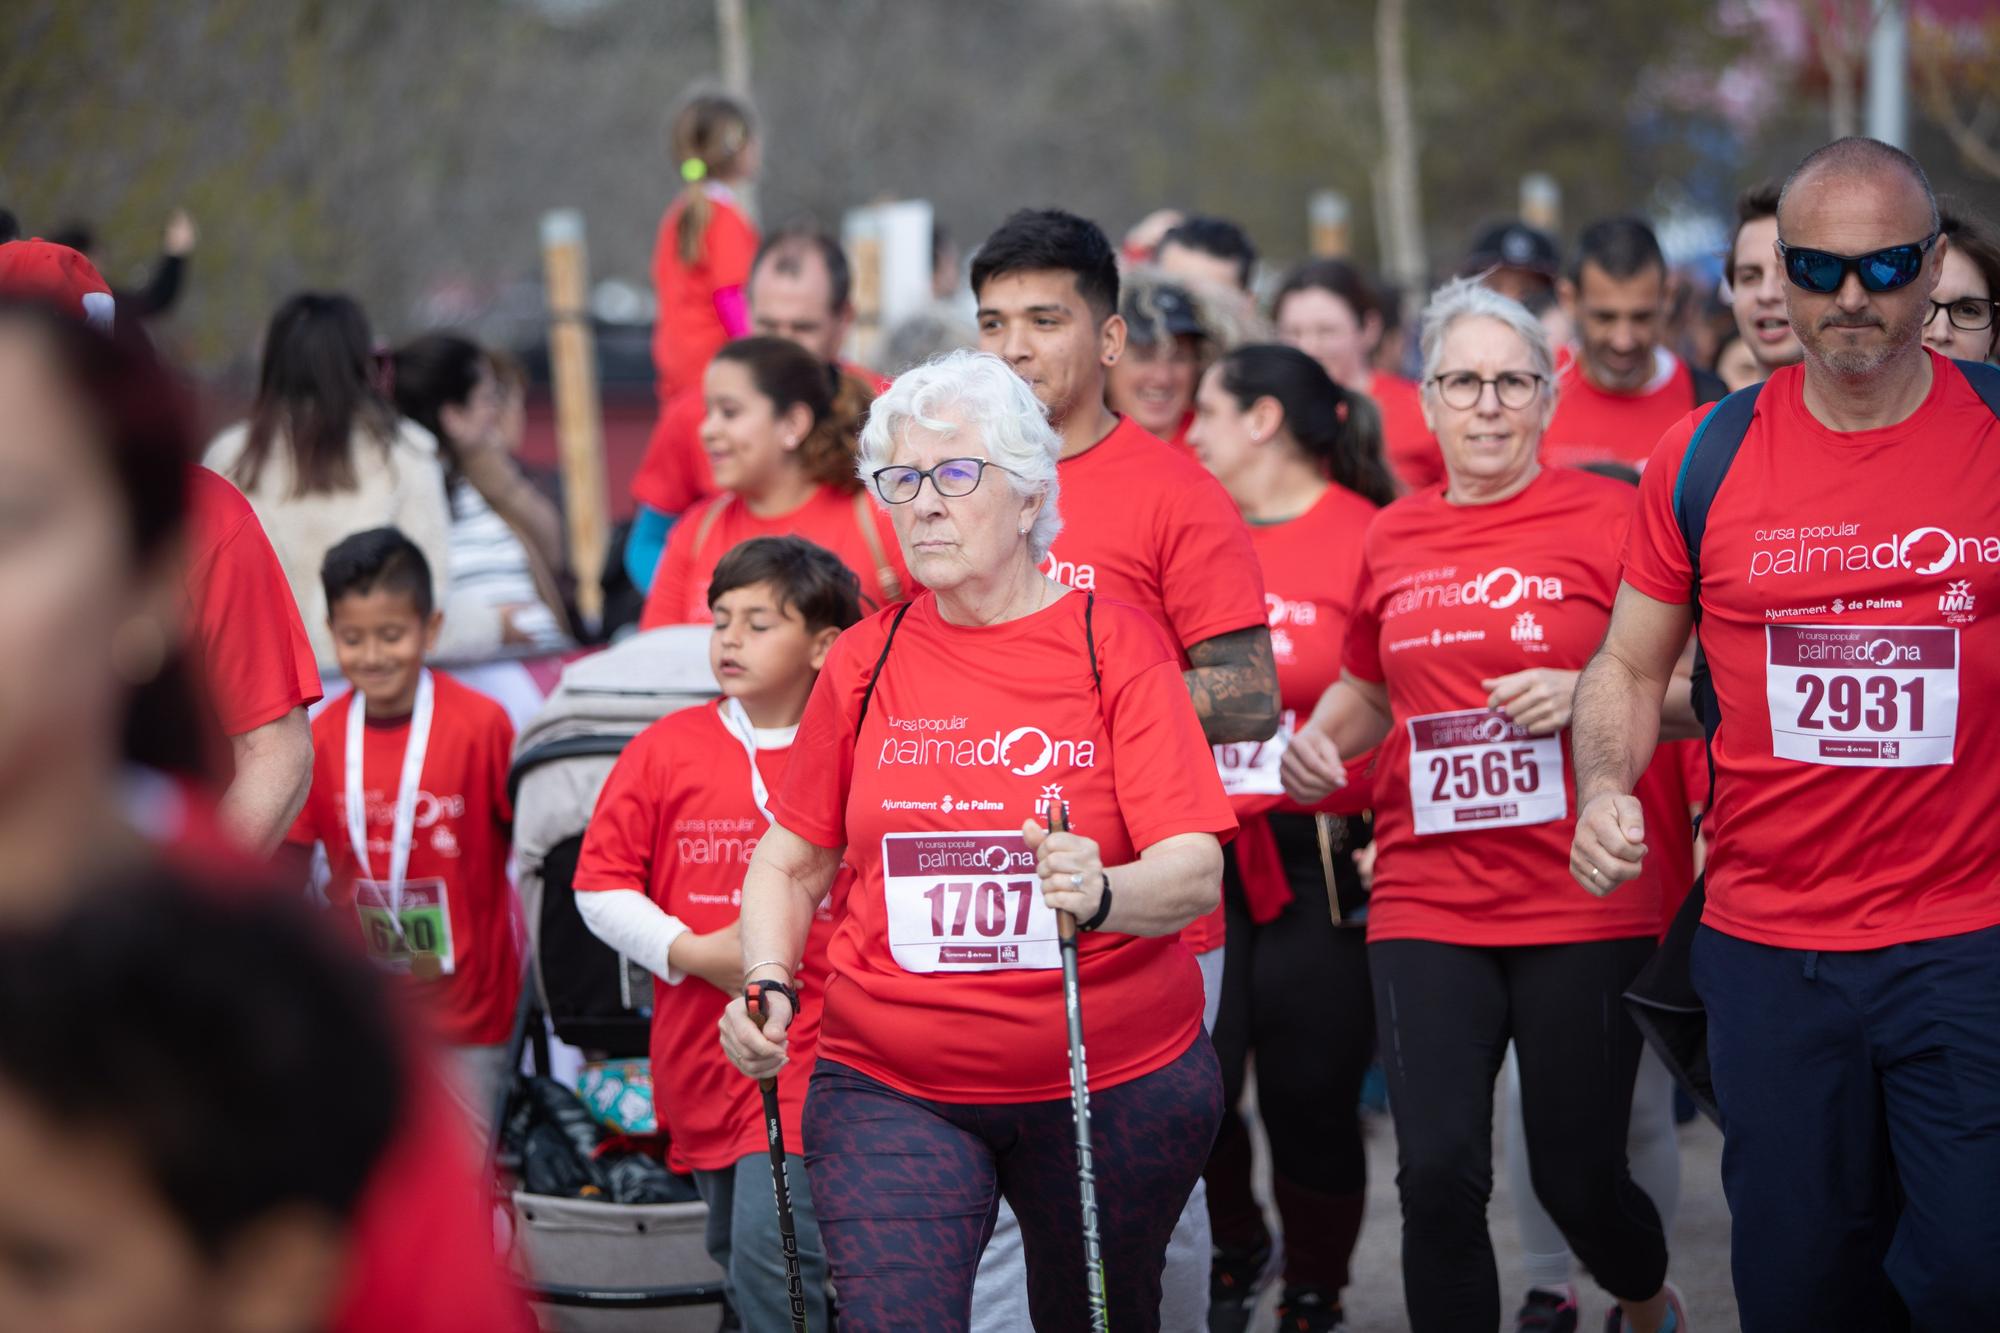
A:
(1821, 271)
(1514, 388)
(1970, 313)
(953, 478)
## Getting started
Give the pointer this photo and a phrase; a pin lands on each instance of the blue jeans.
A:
(1860, 1097)
(743, 1238)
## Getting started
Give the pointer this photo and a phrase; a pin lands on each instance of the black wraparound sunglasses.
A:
(1821, 271)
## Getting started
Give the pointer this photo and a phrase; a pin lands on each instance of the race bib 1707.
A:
(1871, 696)
(1480, 769)
(966, 902)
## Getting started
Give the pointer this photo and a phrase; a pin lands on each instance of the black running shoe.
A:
(1235, 1279)
(1546, 1311)
(1310, 1310)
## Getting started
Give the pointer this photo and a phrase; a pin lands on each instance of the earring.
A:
(138, 650)
(1024, 532)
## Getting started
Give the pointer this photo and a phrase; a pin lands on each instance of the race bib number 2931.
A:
(966, 902)
(1872, 696)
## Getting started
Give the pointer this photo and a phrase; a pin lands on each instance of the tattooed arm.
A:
(1235, 685)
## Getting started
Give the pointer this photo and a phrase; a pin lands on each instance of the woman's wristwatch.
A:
(1103, 904)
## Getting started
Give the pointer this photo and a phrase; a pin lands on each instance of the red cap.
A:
(45, 271)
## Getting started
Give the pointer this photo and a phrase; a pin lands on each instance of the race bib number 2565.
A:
(1873, 696)
(1479, 769)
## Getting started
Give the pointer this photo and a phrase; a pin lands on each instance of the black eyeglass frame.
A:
(1535, 377)
(875, 479)
(1946, 306)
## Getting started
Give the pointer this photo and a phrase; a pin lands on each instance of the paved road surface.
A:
(1700, 1241)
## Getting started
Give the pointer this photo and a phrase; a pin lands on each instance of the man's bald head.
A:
(1862, 159)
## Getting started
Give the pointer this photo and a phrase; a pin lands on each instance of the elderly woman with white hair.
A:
(1477, 605)
(936, 737)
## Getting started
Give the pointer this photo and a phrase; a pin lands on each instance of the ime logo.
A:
(1525, 629)
(1957, 597)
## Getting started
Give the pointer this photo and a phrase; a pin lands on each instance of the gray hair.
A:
(1469, 298)
(975, 392)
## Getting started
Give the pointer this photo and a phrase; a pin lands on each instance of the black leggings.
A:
(1446, 1013)
(1295, 993)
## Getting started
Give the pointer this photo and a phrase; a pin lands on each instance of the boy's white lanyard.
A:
(406, 792)
(737, 722)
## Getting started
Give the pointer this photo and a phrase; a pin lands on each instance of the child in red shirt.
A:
(702, 258)
(660, 879)
(409, 799)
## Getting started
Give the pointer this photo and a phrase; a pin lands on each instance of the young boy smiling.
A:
(409, 798)
(660, 879)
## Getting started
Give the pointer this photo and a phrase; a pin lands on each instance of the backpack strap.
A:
(885, 573)
(888, 642)
(1985, 381)
(1710, 451)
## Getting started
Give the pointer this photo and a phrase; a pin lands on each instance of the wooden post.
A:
(579, 424)
(1327, 212)
(1403, 247)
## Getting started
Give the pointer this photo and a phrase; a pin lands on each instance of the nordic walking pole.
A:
(788, 1233)
(1079, 1099)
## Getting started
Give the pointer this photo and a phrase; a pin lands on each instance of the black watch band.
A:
(755, 990)
(1103, 905)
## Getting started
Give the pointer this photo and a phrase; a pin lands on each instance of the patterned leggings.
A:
(907, 1189)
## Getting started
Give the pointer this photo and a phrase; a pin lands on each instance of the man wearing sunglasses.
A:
(1624, 388)
(1848, 589)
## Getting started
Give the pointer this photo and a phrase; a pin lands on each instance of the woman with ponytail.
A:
(780, 434)
(1301, 458)
(701, 260)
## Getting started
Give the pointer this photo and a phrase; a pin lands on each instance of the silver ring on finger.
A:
(1076, 880)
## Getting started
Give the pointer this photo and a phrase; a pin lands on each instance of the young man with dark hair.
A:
(1143, 522)
(1753, 284)
(801, 290)
(1209, 250)
(660, 880)
(409, 799)
(1624, 389)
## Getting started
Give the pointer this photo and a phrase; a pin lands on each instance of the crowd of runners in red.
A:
(1186, 677)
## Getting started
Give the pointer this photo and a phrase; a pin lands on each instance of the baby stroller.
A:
(591, 1264)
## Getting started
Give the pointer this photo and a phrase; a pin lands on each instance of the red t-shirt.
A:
(1144, 523)
(1407, 443)
(459, 847)
(1849, 581)
(945, 980)
(675, 472)
(687, 330)
(832, 518)
(1594, 425)
(243, 620)
(1473, 817)
(1671, 790)
(1311, 564)
(677, 821)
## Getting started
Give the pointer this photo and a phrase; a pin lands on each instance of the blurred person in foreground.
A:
(186, 1132)
(104, 752)
(243, 627)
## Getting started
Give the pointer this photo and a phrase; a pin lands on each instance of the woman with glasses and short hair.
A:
(1960, 323)
(1476, 607)
(936, 738)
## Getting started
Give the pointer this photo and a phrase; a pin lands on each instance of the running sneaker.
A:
(1235, 1279)
(1310, 1310)
(1677, 1320)
(1548, 1311)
